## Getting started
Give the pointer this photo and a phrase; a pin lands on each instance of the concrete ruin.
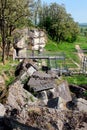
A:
(37, 39)
(44, 108)
(43, 85)
(28, 39)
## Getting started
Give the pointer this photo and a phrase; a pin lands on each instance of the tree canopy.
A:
(58, 23)
(13, 14)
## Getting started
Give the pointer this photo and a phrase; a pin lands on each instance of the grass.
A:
(7, 71)
(66, 48)
(82, 41)
(76, 79)
(71, 57)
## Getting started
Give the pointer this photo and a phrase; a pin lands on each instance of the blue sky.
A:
(77, 8)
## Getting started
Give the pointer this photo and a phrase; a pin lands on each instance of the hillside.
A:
(83, 25)
(72, 60)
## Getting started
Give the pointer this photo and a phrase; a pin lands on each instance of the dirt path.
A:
(79, 51)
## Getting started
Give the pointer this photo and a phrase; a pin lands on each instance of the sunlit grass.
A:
(66, 48)
(7, 70)
(71, 57)
(77, 79)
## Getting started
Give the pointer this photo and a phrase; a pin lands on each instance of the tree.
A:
(36, 12)
(13, 13)
(2, 20)
(58, 23)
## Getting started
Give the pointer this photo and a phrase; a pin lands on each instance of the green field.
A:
(71, 57)
(67, 48)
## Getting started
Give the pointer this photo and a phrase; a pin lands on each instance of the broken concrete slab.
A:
(17, 96)
(31, 70)
(43, 96)
(38, 85)
(77, 90)
(2, 110)
(64, 91)
(43, 75)
(81, 104)
(26, 66)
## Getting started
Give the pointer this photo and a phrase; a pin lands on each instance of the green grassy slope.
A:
(71, 56)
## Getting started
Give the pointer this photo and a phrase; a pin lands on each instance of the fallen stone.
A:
(2, 110)
(43, 118)
(38, 85)
(2, 83)
(15, 125)
(62, 104)
(64, 91)
(24, 77)
(43, 96)
(18, 96)
(52, 119)
(27, 74)
(81, 104)
(31, 70)
(51, 93)
(79, 91)
(26, 66)
(41, 75)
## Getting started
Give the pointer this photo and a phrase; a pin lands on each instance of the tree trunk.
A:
(9, 42)
(8, 49)
(3, 54)
(3, 4)
(3, 43)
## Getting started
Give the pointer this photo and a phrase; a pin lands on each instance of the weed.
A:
(31, 98)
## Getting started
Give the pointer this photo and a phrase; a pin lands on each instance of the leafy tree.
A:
(58, 23)
(13, 13)
(36, 12)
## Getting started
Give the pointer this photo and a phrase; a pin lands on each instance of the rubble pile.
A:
(40, 101)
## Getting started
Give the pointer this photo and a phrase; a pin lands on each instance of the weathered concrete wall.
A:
(36, 39)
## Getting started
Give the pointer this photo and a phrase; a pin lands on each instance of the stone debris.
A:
(38, 101)
(43, 75)
(81, 104)
(64, 91)
(26, 66)
(2, 110)
(18, 96)
(2, 83)
(79, 91)
(38, 85)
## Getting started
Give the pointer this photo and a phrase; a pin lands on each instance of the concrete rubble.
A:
(40, 101)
